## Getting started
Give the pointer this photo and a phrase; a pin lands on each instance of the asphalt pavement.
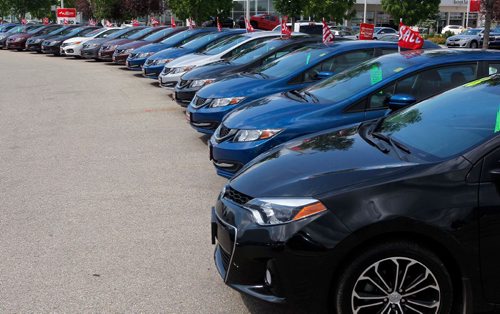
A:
(105, 195)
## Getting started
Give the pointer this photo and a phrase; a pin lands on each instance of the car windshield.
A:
(471, 32)
(350, 82)
(141, 33)
(225, 45)
(34, 30)
(203, 40)
(249, 55)
(59, 31)
(119, 33)
(16, 29)
(159, 35)
(292, 62)
(75, 31)
(95, 32)
(180, 37)
(449, 124)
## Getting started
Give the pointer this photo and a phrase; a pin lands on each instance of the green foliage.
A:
(200, 10)
(411, 11)
(292, 8)
(335, 10)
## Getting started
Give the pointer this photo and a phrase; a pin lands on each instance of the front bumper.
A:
(34, 47)
(135, 64)
(457, 44)
(90, 53)
(16, 45)
(169, 80)
(152, 71)
(295, 254)
(3, 42)
(120, 58)
(183, 96)
(206, 119)
(106, 55)
(55, 50)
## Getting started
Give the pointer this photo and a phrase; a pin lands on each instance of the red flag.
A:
(328, 36)
(45, 21)
(172, 22)
(285, 31)
(154, 21)
(107, 23)
(23, 21)
(65, 22)
(190, 22)
(409, 38)
(135, 23)
(249, 26)
(219, 27)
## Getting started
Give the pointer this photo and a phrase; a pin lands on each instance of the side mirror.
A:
(324, 75)
(400, 101)
(495, 175)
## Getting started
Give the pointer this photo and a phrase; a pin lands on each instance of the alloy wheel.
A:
(396, 285)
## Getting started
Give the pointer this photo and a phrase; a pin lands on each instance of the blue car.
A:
(6, 27)
(294, 71)
(138, 57)
(155, 64)
(367, 91)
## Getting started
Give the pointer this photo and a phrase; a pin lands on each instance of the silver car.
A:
(470, 38)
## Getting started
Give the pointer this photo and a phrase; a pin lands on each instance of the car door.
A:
(421, 85)
(489, 225)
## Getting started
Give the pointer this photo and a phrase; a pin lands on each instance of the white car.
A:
(73, 46)
(173, 70)
(455, 29)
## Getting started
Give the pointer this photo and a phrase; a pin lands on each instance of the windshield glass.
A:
(107, 33)
(75, 31)
(451, 123)
(141, 33)
(225, 45)
(94, 32)
(16, 29)
(202, 41)
(119, 33)
(256, 52)
(159, 35)
(58, 31)
(291, 63)
(471, 32)
(359, 78)
(179, 37)
(34, 30)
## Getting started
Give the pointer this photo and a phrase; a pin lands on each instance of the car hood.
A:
(463, 37)
(273, 112)
(20, 35)
(317, 165)
(196, 59)
(133, 44)
(96, 41)
(174, 52)
(118, 42)
(75, 39)
(213, 70)
(243, 84)
(152, 47)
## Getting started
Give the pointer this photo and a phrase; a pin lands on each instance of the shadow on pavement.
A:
(257, 307)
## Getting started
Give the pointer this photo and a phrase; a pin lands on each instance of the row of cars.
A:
(362, 179)
(473, 38)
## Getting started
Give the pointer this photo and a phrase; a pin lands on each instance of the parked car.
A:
(226, 22)
(294, 71)
(173, 71)
(395, 38)
(108, 49)
(18, 41)
(382, 31)
(154, 64)
(397, 213)
(310, 28)
(138, 57)
(6, 27)
(468, 39)
(264, 21)
(53, 45)
(494, 41)
(16, 30)
(455, 29)
(35, 43)
(90, 49)
(122, 52)
(362, 93)
(245, 61)
(73, 47)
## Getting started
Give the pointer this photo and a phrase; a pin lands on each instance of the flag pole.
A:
(467, 15)
(399, 33)
(364, 13)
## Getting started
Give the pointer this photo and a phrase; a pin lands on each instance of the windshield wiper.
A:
(314, 98)
(298, 94)
(372, 143)
(392, 142)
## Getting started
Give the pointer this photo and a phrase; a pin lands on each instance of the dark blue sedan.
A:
(138, 57)
(362, 93)
(294, 71)
(155, 64)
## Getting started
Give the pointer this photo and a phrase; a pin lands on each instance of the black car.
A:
(35, 43)
(225, 22)
(53, 45)
(396, 215)
(268, 51)
(90, 49)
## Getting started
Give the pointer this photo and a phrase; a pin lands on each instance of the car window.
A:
(279, 54)
(249, 55)
(86, 31)
(245, 46)
(129, 33)
(386, 51)
(494, 68)
(160, 34)
(141, 33)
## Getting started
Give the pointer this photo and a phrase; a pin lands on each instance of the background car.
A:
(16, 30)
(400, 212)
(382, 31)
(455, 29)
(245, 61)
(90, 49)
(108, 49)
(367, 91)
(6, 27)
(123, 51)
(18, 41)
(173, 71)
(226, 22)
(470, 38)
(73, 47)
(310, 28)
(494, 41)
(264, 21)
(53, 45)
(35, 43)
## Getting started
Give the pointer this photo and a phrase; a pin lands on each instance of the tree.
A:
(200, 10)
(292, 8)
(411, 11)
(334, 10)
(491, 10)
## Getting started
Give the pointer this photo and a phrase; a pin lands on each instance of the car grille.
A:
(133, 55)
(226, 258)
(223, 133)
(149, 62)
(166, 70)
(85, 46)
(199, 102)
(184, 83)
(237, 197)
(118, 51)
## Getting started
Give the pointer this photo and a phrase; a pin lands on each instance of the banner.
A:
(366, 31)
(409, 38)
(475, 6)
(66, 16)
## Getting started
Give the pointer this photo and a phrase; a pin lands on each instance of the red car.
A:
(18, 41)
(265, 21)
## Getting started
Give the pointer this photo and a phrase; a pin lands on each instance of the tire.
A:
(356, 282)
(473, 44)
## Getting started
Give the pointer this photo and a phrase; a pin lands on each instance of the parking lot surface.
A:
(105, 195)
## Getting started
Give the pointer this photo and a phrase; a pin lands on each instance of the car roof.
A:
(437, 56)
(261, 34)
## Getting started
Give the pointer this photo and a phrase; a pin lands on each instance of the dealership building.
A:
(450, 12)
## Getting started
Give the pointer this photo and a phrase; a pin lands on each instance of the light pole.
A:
(62, 3)
(467, 14)
(364, 13)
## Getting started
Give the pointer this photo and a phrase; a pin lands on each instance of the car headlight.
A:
(255, 135)
(37, 41)
(128, 50)
(54, 43)
(18, 39)
(201, 83)
(75, 43)
(161, 61)
(273, 211)
(182, 69)
(145, 54)
(221, 102)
